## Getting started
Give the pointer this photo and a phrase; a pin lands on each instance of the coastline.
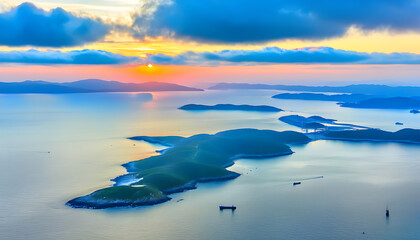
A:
(367, 140)
(186, 163)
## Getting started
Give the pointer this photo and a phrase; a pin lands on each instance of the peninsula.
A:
(403, 135)
(385, 103)
(261, 108)
(317, 122)
(322, 97)
(199, 158)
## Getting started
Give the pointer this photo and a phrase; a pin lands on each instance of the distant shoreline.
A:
(230, 107)
(88, 86)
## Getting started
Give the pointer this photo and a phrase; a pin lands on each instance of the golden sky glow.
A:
(206, 76)
(354, 40)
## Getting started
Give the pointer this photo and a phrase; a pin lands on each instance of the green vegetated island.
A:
(330, 129)
(204, 158)
(224, 107)
(199, 158)
(404, 135)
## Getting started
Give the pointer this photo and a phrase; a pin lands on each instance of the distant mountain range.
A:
(88, 86)
(368, 89)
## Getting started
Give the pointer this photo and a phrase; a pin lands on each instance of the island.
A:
(367, 89)
(415, 111)
(224, 107)
(385, 103)
(322, 97)
(188, 160)
(87, 86)
(404, 135)
(317, 123)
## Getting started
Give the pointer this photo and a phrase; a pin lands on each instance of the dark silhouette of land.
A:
(224, 107)
(403, 135)
(385, 103)
(367, 89)
(317, 123)
(357, 100)
(323, 97)
(88, 86)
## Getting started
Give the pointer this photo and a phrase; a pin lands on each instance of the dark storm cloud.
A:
(59, 57)
(275, 55)
(240, 21)
(27, 25)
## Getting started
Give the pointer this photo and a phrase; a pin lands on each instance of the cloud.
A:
(241, 21)
(268, 55)
(275, 55)
(71, 57)
(27, 25)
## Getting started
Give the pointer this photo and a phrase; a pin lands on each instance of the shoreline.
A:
(90, 203)
(368, 140)
(187, 162)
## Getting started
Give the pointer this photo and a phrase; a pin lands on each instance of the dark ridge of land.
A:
(88, 86)
(357, 100)
(385, 103)
(38, 87)
(316, 122)
(415, 111)
(322, 97)
(199, 158)
(403, 135)
(199, 107)
(367, 89)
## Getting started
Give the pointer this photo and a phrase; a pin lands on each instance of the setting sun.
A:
(150, 65)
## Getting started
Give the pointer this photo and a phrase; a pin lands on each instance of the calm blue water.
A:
(85, 135)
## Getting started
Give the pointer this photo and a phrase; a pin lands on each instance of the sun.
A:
(150, 65)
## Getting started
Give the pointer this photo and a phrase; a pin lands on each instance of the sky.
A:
(323, 42)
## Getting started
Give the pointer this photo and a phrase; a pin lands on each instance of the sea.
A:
(54, 148)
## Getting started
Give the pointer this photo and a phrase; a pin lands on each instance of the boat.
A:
(297, 183)
(387, 213)
(227, 207)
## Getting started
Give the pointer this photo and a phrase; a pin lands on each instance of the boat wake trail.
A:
(305, 179)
